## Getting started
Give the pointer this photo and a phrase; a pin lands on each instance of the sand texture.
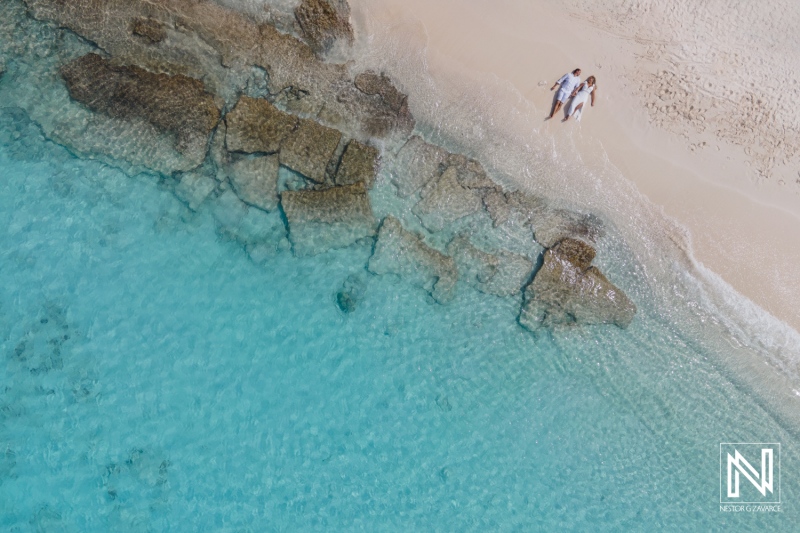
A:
(695, 109)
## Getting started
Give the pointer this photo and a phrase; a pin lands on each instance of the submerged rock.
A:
(549, 225)
(331, 218)
(500, 273)
(390, 106)
(359, 163)
(150, 30)
(194, 188)
(256, 126)
(567, 291)
(222, 46)
(416, 164)
(398, 251)
(309, 148)
(444, 201)
(322, 24)
(177, 105)
(470, 174)
(255, 180)
(351, 293)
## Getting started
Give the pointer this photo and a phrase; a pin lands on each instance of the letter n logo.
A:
(749, 472)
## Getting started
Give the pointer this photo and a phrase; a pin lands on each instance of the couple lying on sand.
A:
(570, 86)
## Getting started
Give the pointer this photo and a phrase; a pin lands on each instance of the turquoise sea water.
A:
(153, 377)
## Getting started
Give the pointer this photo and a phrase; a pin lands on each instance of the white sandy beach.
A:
(695, 108)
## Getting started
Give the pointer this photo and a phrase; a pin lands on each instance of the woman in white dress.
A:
(580, 96)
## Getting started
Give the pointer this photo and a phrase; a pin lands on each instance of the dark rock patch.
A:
(351, 292)
(567, 291)
(390, 110)
(256, 126)
(173, 104)
(309, 148)
(359, 163)
(322, 24)
(150, 30)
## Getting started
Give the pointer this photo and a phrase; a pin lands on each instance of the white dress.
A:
(581, 98)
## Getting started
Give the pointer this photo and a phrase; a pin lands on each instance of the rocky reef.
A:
(398, 251)
(330, 218)
(287, 149)
(175, 105)
(568, 291)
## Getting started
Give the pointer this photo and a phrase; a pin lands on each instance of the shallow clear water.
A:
(154, 377)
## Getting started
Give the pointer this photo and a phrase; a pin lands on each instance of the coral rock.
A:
(255, 180)
(309, 148)
(256, 126)
(444, 201)
(390, 106)
(500, 273)
(150, 30)
(331, 218)
(172, 104)
(398, 251)
(567, 291)
(359, 164)
(417, 163)
(322, 24)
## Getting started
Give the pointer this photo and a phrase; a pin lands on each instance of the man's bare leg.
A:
(555, 109)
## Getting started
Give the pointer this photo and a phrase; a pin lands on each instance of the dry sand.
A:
(696, 106)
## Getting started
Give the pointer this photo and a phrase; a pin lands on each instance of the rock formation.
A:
(359, 163)
(256, 126)
(331, 218)
(309, 148)
(150, 30)
(255, 180)
(444, 201)
(471, 175)
(322, 24)
(417, 163)
(500, 273)
(351, 292)
(568, 291)
(172, 104)
(204, 40)
(138, 103)
(549, 224)
(389, 106)
(398, 251)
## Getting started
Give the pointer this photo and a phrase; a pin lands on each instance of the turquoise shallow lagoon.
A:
(154, 378)
(156, 374)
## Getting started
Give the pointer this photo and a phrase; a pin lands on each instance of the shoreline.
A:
(735, 223)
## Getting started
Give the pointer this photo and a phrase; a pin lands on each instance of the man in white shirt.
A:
(566, 84)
